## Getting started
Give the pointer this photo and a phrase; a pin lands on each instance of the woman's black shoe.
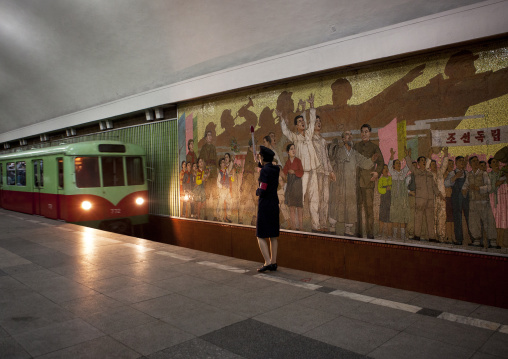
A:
(273, 267)
(265, 268)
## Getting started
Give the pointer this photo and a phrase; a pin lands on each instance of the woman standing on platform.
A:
(267, 226)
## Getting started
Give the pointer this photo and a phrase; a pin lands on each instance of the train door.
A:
(60, 187)
(38, 182)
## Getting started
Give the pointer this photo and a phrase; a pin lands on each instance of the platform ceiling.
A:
(62, 56)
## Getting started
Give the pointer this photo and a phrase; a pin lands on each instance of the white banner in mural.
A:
(470, 137)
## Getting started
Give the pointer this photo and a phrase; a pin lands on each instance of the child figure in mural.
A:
(399, 206)
(384, 187)
(187, 189)
(199, 191)
(293, 170)
(191, 155)
(223, 185)
(440, 198)
(499, 199)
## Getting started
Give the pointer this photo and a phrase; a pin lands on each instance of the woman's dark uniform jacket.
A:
(268, 208)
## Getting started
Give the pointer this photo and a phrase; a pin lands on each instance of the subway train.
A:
(99, 184)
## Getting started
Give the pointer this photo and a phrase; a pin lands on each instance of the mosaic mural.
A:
(414, 150)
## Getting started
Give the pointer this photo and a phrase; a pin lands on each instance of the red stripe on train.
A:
(68, 207)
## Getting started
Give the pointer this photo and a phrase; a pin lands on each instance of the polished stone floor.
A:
(73, 292)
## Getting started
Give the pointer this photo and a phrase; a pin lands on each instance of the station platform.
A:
(68, 291)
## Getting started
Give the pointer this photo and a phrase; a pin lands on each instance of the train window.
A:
(11, 174)
(112, 171)
(36, 175)
(134, 171)
(112, 148)
(87, 172)
(60, 173)
(21, 173)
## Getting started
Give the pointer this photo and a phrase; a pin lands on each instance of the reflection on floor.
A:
(70, 291)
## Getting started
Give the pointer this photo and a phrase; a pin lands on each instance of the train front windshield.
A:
(88, 171)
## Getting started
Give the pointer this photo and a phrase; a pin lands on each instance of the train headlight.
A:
(140, 200)
(86, 205)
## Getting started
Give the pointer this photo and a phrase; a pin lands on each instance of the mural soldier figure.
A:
(366, 180)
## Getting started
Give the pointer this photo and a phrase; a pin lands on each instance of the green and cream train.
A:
(99, 184)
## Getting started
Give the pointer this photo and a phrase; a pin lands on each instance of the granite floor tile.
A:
(181, 282)
(10, 348)
(497, 345)
(249, 283)
(138, 293)
(383, 316)
(167, 305)
(346, 284)
(462, 335)
(211, 293)
(113, 284)
(103, 347)
(394, 294)
(118, 319)
(194, 348)
(406, 345)
(152, 337)
(217, 275)
(86, 306)
(22, 268)
(253, 339)
(491, 314)
(64, 292)
(444, 304)
(295, 318)
(202, 319)
(352, 334)
(57, 336)
(480, 355)
(250, 338)
(330, 303)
